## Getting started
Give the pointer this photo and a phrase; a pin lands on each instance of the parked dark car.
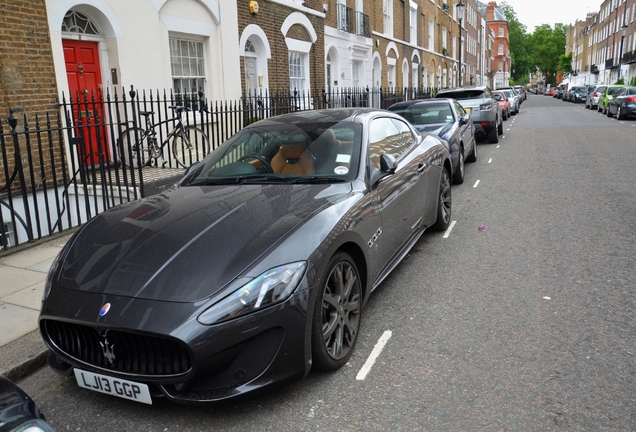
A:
(447, 119)
(18, 412)
(251, 270)
(483, 108)
(578, 94)
(623, 104)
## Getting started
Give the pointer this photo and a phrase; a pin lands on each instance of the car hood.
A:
(187, 243)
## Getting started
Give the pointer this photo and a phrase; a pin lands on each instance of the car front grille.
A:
(119, 351)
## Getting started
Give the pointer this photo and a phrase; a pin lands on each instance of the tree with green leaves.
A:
(547, 46)
(522, 63)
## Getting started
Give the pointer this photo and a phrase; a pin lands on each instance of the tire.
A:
(500, 128)
(619, 116)
(130, 154)
(458, 177)
(473, 156)
(492, 136)
(190, 146)
(504, 116)
(444, 202)
(337, 314)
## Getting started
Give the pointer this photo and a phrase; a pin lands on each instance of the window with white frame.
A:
(500, 50)
(413, 19)
(500, 66)
(501, 32)
(297, 71)
(431, 34)
(387, 10)
(444, 34)
(187, 64)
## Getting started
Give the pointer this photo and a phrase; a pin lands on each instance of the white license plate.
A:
(113, 386)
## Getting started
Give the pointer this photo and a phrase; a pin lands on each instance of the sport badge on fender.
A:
(104, 310)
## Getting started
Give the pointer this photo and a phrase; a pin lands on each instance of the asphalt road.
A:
(527, 324)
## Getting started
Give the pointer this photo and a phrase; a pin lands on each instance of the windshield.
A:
(433, 113)
(283, 152)
(463, 94)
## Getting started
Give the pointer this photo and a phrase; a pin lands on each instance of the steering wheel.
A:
(261, 159)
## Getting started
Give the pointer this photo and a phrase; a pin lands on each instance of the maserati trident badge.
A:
(107, 349)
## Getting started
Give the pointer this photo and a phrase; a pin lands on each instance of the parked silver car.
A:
(591, 102)
(484, 110)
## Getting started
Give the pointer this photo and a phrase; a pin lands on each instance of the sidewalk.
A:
(22, 276)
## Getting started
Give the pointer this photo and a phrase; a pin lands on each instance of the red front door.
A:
(85, 83)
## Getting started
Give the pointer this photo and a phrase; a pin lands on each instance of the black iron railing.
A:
(345, 18)
(363, 27)
(59, 171)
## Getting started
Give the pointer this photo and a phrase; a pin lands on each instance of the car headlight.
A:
(55, 266)
(271, 287)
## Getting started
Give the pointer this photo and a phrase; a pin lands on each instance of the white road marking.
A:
(450, 228)
(490, 160)
(377, 350)
(476, 183)
(497, 147)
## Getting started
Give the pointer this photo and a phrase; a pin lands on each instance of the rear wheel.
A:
(619, 115)
(444, 203)
(492, 136)
(458, 177)
(132, 148)
(337, 314)
(190, 146)
(500, 129)
(473, 156)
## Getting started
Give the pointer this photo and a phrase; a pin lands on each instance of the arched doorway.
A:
(80, 42)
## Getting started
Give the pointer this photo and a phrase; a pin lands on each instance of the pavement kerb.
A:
(23, 356)
(26, 354)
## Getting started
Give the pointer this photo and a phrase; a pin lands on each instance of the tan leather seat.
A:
(293, 159)
(326, 149)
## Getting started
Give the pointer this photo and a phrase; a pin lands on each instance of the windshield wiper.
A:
(319, 179)
(237, 180)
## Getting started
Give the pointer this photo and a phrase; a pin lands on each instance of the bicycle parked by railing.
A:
(139, 146)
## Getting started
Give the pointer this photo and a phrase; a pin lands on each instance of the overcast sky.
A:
(533, 13)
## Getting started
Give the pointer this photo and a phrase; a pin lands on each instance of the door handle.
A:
(421, 167)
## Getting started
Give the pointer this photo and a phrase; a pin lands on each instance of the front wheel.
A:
(500, 129)
(337, 314)
(444, 203)
(189, 146)
(132, 148)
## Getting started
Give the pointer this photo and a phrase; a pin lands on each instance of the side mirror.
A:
(464, 120)
(387, 164)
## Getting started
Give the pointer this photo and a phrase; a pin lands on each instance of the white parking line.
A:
(497, 147)
(450, 228)
(476, 183)
(490, 160)
(377, 350)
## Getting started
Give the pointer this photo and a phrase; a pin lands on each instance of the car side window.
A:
(388, 136)
(460, 109)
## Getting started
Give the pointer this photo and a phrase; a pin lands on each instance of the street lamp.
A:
(460, 16)
(620, 53)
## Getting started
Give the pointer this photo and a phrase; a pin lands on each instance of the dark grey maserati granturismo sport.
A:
(254, 268)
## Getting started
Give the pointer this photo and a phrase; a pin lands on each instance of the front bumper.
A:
(220, 361)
